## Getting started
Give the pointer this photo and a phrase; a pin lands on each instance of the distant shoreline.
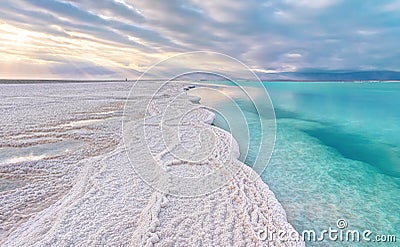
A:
(41, 81)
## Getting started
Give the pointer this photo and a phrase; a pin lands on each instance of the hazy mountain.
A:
(333, 76)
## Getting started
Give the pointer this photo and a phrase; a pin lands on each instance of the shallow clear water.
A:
(337, 154)
(37, 152)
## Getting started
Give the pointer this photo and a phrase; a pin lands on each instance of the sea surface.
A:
(336, 155)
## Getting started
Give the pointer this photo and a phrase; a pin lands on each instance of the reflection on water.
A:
(38, 152)
(80, 123)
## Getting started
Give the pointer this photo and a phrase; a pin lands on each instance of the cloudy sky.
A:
(104, 39)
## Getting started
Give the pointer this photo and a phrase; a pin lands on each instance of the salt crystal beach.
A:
(70, 180)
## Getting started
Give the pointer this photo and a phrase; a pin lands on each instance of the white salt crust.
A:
(94, 196)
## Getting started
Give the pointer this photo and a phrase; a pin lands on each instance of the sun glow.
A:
(13, 36)
(40, 52)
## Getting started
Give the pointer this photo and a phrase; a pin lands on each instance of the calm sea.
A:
(336, 156)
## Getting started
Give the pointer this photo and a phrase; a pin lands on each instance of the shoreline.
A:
(100, 199)
(196, 100)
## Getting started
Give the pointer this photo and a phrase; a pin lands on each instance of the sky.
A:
(114, 39)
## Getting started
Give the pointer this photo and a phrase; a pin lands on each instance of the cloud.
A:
(294, 55)
(111, 9)
(126, 36)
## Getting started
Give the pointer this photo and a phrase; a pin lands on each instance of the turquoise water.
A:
(336, 156)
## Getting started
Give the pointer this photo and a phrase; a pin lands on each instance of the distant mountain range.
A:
(332, 76)
(309, 76)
